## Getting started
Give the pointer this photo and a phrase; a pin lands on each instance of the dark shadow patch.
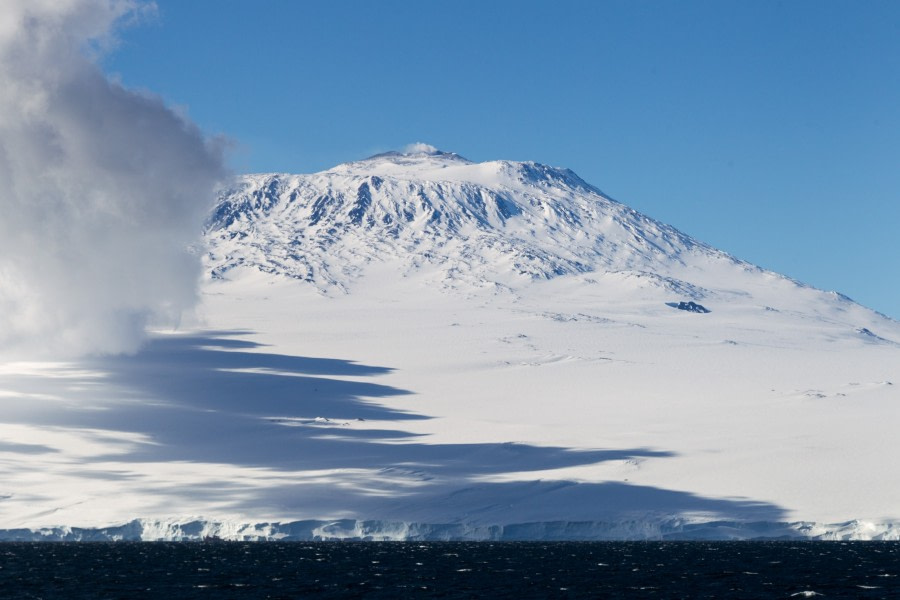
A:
(690, 306)
(25, 448)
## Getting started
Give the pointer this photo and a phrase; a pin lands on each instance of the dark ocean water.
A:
(451, 570)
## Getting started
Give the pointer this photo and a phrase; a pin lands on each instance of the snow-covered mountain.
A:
(416, 346)
(474, 223)
(467, 226)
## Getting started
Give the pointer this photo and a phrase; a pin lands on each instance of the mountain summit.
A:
(466, 224)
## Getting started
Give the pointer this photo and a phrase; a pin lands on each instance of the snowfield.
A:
(415, 346)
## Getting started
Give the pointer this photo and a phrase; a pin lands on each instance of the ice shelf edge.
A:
(374, 530)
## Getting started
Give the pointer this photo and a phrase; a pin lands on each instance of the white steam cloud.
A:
(419, 148)
(102, 189)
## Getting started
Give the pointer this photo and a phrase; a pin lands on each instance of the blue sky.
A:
(768, 129)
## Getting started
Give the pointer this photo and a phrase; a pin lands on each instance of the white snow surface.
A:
(415, 346)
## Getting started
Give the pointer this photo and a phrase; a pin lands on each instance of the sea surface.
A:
(450, 570)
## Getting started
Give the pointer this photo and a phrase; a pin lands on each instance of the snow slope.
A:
(415, 346)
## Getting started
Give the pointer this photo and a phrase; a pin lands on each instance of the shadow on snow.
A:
(217, 398)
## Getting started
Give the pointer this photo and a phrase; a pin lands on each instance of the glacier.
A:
(417, 346)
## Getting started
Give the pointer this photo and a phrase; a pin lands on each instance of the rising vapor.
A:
(102, 189)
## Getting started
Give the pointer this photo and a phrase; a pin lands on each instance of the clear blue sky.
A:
(770, 129)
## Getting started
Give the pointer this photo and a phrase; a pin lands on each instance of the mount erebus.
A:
(415, 346)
